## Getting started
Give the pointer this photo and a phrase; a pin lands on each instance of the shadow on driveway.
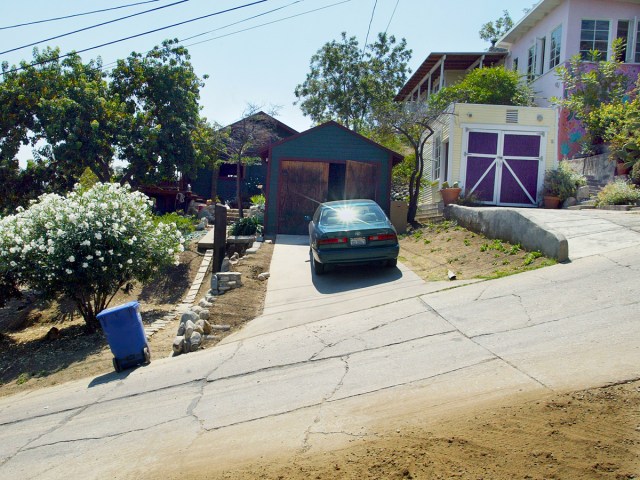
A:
(346, 278)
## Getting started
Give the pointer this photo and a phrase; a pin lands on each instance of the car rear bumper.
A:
(356, 255)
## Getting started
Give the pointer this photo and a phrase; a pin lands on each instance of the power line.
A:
(366, 40)
(76, 15)
(93, 26)
(240, 21)
(392, 14)
(267, 23)
(135, 36)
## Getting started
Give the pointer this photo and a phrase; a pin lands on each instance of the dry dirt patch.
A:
(31, 359)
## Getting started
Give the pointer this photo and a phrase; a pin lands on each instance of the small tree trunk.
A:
(239, 187)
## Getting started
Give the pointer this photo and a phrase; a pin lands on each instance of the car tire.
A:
(392, 263)
(318, 268)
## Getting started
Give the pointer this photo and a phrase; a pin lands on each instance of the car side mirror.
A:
(307, 218)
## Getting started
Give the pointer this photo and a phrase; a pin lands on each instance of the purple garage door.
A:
(503, 168)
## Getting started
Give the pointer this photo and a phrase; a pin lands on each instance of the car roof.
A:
(349, 203)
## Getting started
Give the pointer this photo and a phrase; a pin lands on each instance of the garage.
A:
(325, 163)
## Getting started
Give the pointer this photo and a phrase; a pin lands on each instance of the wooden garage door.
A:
(361, 181)
(303, 185)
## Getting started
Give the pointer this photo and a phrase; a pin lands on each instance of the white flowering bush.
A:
(86, 245)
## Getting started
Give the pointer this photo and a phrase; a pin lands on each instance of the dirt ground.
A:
(592, 434)
(32, 359)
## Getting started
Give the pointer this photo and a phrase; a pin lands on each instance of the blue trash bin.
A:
(125, 334)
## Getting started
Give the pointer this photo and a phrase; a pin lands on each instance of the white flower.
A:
(89, 257)
(129, 261)
(98, 253)
(85, 265)
(86, 243)
(98, 235)
(12, 263)
(69, 272)
(71, 259)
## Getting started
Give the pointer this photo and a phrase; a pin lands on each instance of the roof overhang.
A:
(530, 20)
(454, 61)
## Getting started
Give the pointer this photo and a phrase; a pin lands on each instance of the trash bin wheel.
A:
(116, 364)
(147, 355)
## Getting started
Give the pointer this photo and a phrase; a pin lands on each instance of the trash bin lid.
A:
(124, 306)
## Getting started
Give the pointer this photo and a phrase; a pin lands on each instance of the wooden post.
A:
(219, 236)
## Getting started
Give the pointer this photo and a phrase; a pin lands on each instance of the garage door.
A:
(504, 167)
(302, 186)
(361, 180)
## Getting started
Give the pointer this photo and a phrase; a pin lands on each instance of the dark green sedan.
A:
(351, 232)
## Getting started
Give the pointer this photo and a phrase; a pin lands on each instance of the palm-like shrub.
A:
(85, 246)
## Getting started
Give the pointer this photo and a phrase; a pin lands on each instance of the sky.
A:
(262, 64)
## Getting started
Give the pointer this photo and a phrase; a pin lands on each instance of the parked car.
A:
(351, 231)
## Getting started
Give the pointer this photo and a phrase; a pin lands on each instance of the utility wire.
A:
(392, 14)
(134, 36)
(93, 26)
(240, 21)
(366, 40)
(75, 15)
(264, 24)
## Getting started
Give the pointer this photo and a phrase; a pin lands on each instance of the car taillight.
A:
(329, 241)
(384, 236)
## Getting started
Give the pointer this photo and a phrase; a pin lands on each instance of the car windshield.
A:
(345, 215)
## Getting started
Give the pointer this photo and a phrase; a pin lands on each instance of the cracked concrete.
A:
(330, 359)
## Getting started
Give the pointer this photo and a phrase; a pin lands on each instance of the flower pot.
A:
(551, 201)
(450, 195)
(622, 168)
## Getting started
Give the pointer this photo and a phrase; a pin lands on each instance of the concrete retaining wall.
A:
(512, 226)
(598, 166)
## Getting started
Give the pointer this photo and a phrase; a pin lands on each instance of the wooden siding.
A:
(303, 185)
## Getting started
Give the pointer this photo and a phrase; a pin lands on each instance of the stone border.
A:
(188, 300)
(515, 227)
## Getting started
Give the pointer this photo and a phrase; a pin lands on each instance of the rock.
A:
(206, 327)
(225, 265)
(188, 316)
(583, 193)
(268, 242)
(221, 328)
(199, 327)
(178, 344)
(569, 202)
(200, 227)
(197, 309)
(235, 256)
(204, 304)
(189, 326)
(210, 298)
(263, 276)
(195, 341)
(204, 315)
(180, 331)
(186, 346)
(214, 284)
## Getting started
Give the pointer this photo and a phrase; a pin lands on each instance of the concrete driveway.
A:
(337, 357)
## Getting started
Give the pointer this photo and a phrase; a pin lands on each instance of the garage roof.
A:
(265, 153)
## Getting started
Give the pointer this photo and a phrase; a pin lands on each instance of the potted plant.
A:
(560, 184)
(450, 194)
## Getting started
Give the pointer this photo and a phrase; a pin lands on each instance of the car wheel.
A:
(116, 365)
(392, 263)
(318, 267)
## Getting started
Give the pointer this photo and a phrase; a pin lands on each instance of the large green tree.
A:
(345, 83)
(75, 115)
(493, 30)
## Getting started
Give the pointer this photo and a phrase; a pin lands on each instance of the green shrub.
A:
(184, 224)
(619, 193)
(562, 182)
(246, 226)
(259, 200)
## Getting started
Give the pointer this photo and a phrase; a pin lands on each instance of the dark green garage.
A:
(328, 162)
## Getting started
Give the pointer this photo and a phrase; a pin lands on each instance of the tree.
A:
(85, 246)
(412, 121)
(490, 86)
(75, 116)
(345, 83)
(492, 31)
(243, 140)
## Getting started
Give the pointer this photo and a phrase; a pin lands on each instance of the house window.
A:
(541, 44)
(531, 64)
(594, 35)
(515, 64)
(625, 32)
(437, 154)
(556, 41)
(637, 56)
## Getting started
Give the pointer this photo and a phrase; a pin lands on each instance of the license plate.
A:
(357, 241)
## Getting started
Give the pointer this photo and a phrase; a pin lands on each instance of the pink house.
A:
(555, 30)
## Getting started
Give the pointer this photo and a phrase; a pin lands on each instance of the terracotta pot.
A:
(450, 195)
(622, 169)
(551, 201)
